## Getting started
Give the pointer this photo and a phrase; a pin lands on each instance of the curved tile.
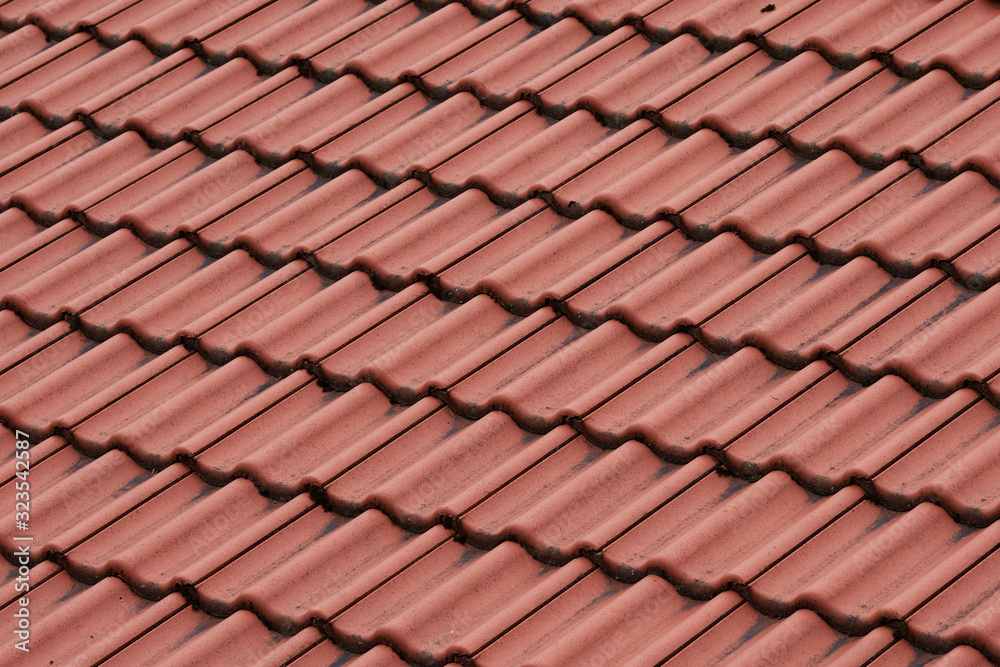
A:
(959, 43)
(600, 621)
(275, 35)
(20, 131)
(59, 19)
(385, 49)
(315, 567)
(282, 116)
(778, 315)
(723, 531)
(915, 222)
(626, 75)
(882, 119)
(403, 132)
(743, 102)
(908, 344)
(301, 320)
(673, 283)
(453, 340)
(14, 333)
(324, 433)
(507, 59)
(192, 635)
(50, 178)
(165, 28)
(579, 498)
(849, 38)
(836, 432)
(200, 528)
(656, 406)
(787, 434)
(326, 652)
(57, 100)
(68, 274)
(289, 211)
(438, 467)
(25, 236)
(533, 256)
(640, 173)
(555, 371)
(56, 81)
(721, 23)
(782, 198)
(969, 145)
(20, 44)
(169, 189)
(519, 153)
(803, 638)
(951, 467)
(963, 612)
(509, 584)
(407, 236)
(55, 385)
(144, 422)
(903, 651)
(177, 97)
(87, 623)
(73, 491)
(977, 266)
(872, 564)
(178, 293)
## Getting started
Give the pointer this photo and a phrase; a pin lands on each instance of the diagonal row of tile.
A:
(638, 175)
(484, 151)
(872, 325)
(468, 249)
(681, 87)
(614, 627)
(912, 39)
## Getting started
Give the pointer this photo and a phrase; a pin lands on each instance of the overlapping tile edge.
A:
(586, 13)
(147, 590)
(786, 357)
(556, 111)
(974, 281)
(714, 447)
(314, 364)
(801, 624)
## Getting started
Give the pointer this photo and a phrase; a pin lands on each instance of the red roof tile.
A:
(631, 332)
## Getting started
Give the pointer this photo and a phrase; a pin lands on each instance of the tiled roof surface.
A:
(588, 332)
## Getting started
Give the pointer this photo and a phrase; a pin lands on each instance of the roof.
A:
(656, 332)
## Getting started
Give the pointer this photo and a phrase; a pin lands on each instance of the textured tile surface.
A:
(554, 333)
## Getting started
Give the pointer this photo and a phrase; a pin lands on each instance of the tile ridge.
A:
(691, 232)
(540, 20)
(842, 61)
(778, 357)
(561, 305)
(718, 451)
(761, 604)
(533, 97)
